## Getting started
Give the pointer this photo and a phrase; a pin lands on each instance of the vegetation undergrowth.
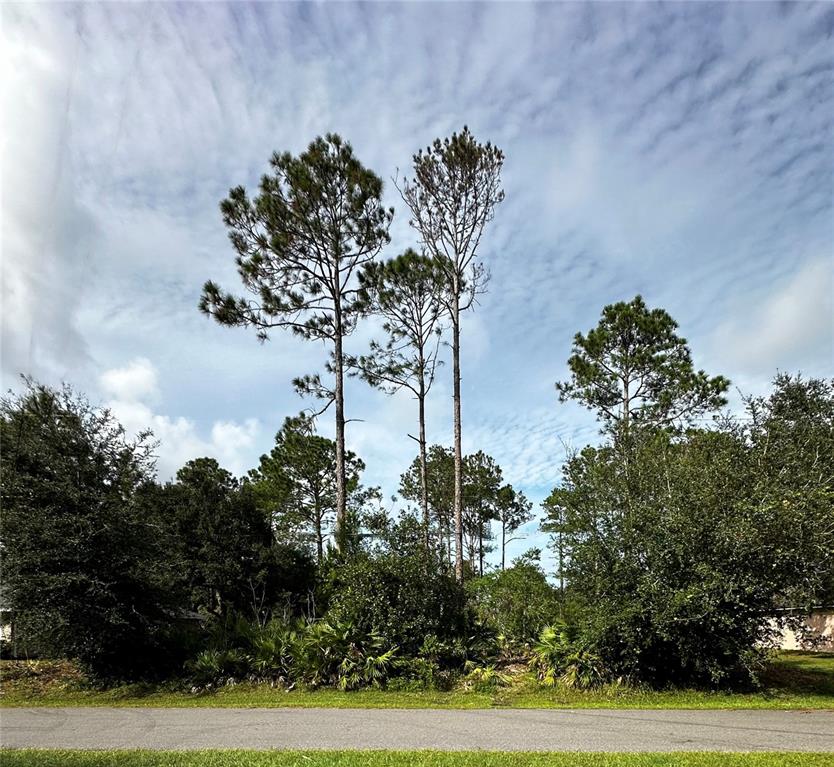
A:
(795, 680)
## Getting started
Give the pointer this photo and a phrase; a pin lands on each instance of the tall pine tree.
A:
(317, 219)
(407, 293)
(633, 369)
(452, 197)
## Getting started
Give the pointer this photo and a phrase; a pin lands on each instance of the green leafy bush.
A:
(550, 651)
(517, 603)
(421, 674)
(402, 597)
(214, 666)
(583, 669)
(484, 678)
(366, 666)
(273, 650)
(437, 664)
(326, 652)
(560, 657)
(339, 653)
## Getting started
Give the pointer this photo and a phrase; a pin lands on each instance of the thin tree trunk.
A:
(319, 536)
(341, 495)
(626, 400)
(481, 548)
(458, 451)
(424, 484)
(503, 542)
(561, 576)
(561, 565)
(625, 439)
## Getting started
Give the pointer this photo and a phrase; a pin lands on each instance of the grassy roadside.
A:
(795, 681)
(32, 758)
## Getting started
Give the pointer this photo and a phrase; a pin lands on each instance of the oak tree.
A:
(84, 570)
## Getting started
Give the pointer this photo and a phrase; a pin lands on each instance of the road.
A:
(490, 729)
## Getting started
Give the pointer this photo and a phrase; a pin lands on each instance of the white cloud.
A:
(136, 381)
(130, 387)
(232, 440)
(681, 152)
(45, 232)
(790, 329)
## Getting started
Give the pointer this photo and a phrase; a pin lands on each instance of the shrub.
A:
(339, 653)
(484, 678)
(583, 669)
(443, 653)
(560, 656)
(437, 663)
(422, 674)
(238, 649)
(216, 666)
(326, 652)
(368, 665)
(517, 603)
(273, 650)
(551, 650)
(402, 597)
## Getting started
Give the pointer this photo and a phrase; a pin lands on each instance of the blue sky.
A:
(682, 151)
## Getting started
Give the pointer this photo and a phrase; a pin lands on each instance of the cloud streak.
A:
(682, 151)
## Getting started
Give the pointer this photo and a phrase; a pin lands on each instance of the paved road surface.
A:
(511, 730)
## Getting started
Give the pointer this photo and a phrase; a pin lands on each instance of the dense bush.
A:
(340, 654)
(561, 656)
(404, 597)
(325, 652)
(84, 570)
(483, 678)
(517, 602)
(683, 547)
(216, 666)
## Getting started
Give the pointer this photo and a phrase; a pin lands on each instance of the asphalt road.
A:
(490, 729)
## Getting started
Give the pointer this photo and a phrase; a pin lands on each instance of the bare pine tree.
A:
(407, 293)
(452, 197)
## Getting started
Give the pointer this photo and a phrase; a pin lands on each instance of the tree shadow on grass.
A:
(803, 673)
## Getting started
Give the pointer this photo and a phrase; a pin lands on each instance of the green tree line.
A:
(685, 538)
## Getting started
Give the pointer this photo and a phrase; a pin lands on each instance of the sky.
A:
(680, 151)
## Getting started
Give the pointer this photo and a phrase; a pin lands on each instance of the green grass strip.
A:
(255, 696)
(230, 758)
(795, 681)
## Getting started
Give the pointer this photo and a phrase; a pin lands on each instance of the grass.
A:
(35, 758)
(795, 680)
